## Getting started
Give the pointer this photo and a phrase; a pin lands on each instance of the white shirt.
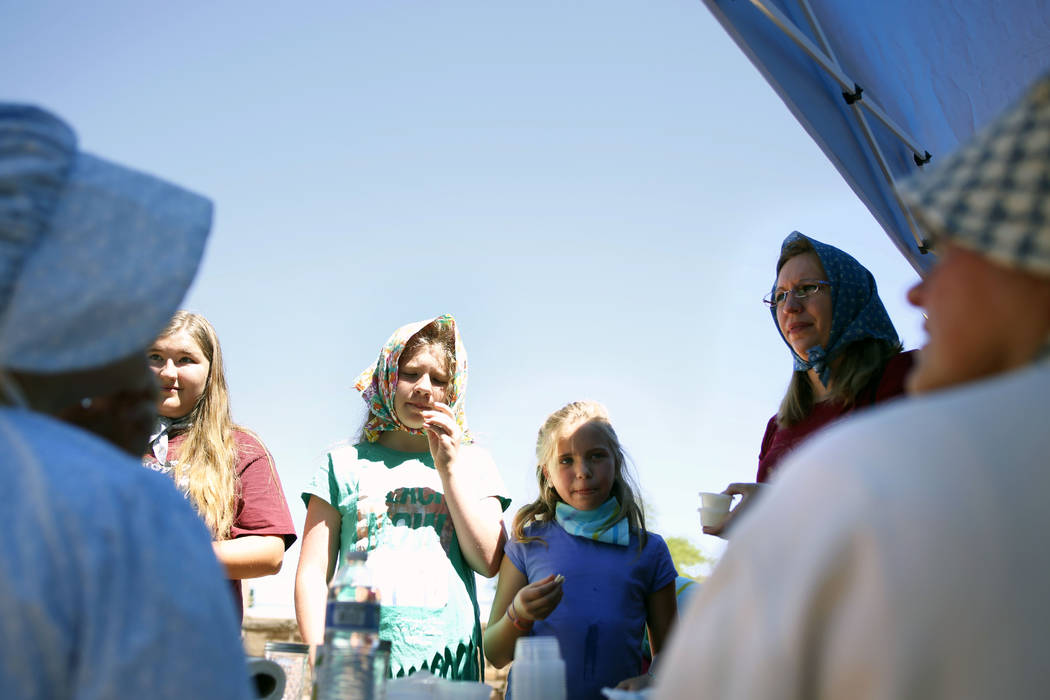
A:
(901, 554)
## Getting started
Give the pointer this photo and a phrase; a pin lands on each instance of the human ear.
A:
(544, 475)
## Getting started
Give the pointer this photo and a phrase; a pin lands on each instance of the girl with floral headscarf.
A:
(417, 494)
(844, 348)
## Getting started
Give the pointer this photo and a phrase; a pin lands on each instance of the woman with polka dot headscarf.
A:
(846, 352)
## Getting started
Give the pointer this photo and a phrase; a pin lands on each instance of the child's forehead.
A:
(181, 342)
(429, 354)
(582, 435)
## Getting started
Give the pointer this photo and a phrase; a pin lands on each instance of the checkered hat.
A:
(993, 194)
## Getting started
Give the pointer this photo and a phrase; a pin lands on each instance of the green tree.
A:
(686, 555)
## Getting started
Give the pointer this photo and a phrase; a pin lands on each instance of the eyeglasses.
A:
(806, 289)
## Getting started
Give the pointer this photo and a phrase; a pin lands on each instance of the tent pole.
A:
(920, 242)
(818, 30)
(832, 69)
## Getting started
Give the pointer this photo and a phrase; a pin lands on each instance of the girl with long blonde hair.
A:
(223, 469)
(580, 565)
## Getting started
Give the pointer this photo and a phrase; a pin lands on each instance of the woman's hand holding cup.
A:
(716, 516)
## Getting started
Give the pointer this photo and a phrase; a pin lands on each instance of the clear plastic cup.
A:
(293, 660)
(464, 690)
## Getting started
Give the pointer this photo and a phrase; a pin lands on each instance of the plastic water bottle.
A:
(353, 662)
(539, 671)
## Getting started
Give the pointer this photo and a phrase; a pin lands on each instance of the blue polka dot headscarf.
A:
(856, 309)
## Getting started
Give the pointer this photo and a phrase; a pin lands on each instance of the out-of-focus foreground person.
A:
(902, 553)
(223, 468)
(846, 353)
(108, 584)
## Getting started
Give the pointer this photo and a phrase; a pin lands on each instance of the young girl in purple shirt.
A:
(580, 565)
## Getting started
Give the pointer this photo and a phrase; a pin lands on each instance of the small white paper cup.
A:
(714, 508)
(712, 518)
(715, 501)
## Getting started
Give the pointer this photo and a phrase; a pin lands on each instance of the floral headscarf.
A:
(379, 381)
(856, 309)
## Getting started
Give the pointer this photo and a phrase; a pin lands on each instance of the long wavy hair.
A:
(207, 457)
(563, 421)
(857, 365)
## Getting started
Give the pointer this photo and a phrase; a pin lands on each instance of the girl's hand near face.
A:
(443, 435)
(537, 600)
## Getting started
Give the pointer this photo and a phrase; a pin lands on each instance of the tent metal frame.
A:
(852, 93)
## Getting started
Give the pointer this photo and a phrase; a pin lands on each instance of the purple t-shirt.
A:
(600, 621)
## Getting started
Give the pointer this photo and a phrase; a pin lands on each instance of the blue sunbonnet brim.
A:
(121, 250)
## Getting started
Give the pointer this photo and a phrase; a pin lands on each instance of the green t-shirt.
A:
(391, 505)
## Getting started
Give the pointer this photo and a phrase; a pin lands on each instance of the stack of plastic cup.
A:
(539, 671)
(293, 659)
(714, 508)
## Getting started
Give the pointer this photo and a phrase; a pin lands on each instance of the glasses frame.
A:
(771, 303)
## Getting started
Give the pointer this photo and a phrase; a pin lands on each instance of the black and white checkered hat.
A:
(993, 194)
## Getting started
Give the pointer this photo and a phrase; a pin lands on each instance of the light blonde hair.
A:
(207, 457)
(566, 418)
(856, 366)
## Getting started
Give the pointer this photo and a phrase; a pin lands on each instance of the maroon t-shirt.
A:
(261, 505)
(778, 442)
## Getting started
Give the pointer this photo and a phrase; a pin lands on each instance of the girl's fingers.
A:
(537, 589)
(551, 583)
(541, 607)
(444, 408)
(540, 597)
(439, 421)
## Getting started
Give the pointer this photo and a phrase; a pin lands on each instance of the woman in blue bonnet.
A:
(108, 584)
(846, 352)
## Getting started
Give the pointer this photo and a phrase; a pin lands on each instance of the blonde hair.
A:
(207, 457)
(560, 422)
(857, 365)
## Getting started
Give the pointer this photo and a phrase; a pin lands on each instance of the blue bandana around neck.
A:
(856, 309)
(603, 524)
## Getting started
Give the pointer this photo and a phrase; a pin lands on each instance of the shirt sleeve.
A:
(515, 551)
(488, 478)
(764, 458)
(262, 507)
(327, 485)
(662, 565)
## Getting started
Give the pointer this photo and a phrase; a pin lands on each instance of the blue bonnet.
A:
(94, 257)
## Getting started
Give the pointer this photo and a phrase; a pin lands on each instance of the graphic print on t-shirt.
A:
(418, 507)
(409, 532)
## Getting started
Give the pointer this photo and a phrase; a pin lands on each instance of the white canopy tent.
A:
(884, 85)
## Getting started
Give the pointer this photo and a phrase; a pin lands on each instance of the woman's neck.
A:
(820, 392)
(403, 442)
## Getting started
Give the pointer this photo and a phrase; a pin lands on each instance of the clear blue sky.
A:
(597, 191)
